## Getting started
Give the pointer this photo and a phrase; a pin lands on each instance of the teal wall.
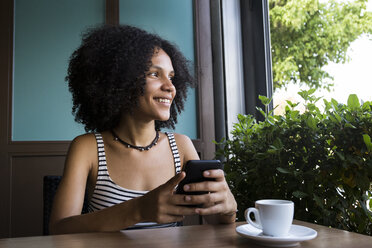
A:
(48, 31)
(172, 20)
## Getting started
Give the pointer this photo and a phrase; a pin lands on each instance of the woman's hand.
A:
(220, 200)
(162, 205)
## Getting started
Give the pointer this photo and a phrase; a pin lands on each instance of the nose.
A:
(168, 85)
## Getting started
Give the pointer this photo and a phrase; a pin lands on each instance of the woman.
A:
(126, 85)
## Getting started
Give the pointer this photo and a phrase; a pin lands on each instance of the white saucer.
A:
(296, 234)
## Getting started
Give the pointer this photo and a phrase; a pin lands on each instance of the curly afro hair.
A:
(106, 75)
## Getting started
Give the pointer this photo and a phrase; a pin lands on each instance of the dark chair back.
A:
(50, 187)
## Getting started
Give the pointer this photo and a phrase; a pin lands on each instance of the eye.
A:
(153, 74)
(171, 77)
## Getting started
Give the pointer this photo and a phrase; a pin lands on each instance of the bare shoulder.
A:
(84, 139)
(181, 138)
(84, 144)
(186, 148)
(183, 141)
(69, 198)
(83, 150)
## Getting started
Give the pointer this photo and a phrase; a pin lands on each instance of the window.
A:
(307, 43)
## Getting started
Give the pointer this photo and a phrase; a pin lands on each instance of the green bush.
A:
(321, 160)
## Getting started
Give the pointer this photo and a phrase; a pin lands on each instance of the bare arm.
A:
(66, 213)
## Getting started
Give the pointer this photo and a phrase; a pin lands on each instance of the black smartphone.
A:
(194, 173)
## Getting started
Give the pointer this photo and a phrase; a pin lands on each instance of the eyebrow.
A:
(160, 68)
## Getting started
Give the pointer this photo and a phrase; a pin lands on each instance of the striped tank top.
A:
(107, 193)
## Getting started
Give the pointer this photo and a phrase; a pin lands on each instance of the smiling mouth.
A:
(163, 100)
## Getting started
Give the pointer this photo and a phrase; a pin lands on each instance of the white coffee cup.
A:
(273, 217)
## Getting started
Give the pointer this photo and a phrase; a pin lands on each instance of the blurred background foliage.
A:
(306, 35)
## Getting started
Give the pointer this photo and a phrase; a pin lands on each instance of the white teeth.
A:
(163, 100)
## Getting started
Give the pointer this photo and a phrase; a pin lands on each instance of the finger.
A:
(184, 210)
(209, 186)
(170, 218)
(180, 210)
(205, 199)
(174, 181)
(214, 209)
(178, 199)
(219, 175)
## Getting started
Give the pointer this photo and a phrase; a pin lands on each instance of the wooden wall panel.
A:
(27, 173)
(6, 48)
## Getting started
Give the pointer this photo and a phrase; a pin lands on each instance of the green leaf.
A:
(311, 91)
(367, 106)
(295, 114)
(338, 117)
(311, 122)
(319, 201)
(353, 102)
(278, 143)
(304, 94)
(265, 100)
(262, 112)
(287, 109)
(334, 103)
(299, 194)
(327, 105)
(340, 155)
(367, 141)
(333, 119)
(282, 170)
(272, 151)
(291, 104)
(349, 125)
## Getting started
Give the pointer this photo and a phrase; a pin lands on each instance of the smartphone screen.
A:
(194, 173)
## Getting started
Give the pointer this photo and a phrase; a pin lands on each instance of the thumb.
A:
(174, 181)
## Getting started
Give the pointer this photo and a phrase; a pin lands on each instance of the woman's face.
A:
(159, 89)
